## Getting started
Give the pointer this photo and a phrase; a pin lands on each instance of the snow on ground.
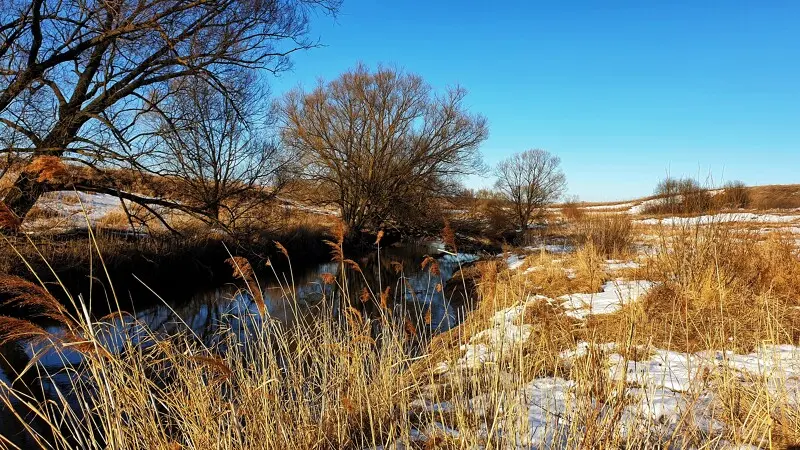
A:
(68, 210)
(614, 206)
(643, 206)
(615, 264)
(490, 345)
(664, 388)
(721, 218)
(514, 262)
(551, 248)
(293, 205)
(505, 332)
(789, 230)
(615, 294)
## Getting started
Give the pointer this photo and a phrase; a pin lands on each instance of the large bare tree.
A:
(217, 151)
(77, 76)
(530, 181)
(380, 144)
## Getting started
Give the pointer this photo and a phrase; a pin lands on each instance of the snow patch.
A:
(492, 345)
(615, 264)
(514, 262)
(615, 294)
(721, 218)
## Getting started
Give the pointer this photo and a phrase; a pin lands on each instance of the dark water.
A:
(288, 294)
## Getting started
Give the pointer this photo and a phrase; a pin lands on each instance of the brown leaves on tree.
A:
(47, 169)
(449, 236)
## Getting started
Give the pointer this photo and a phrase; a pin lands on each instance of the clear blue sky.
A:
(623, 91)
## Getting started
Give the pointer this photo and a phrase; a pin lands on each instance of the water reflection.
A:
(414, 292)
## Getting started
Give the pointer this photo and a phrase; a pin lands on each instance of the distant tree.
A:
(216, 151)
(530, 181)
(735, 195)
(380, 144)
(78, 76)
(681, 195)
(669, 190)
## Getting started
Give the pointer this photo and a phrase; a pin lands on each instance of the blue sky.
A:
(623, 91)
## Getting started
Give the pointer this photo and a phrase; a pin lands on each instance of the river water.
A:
(414, 290)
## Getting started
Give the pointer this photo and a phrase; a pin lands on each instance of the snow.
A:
(458, 258)
(514, 262)
(69, 213)
(615, 294)
(789, 230)
(611, 206)
(721, 218)
(497, 342)
(643, 206)
(615, 264)
(551, 248)
(664, 390)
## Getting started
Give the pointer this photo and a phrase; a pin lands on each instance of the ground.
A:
(607, 328)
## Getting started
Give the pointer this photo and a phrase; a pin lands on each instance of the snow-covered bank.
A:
(668, 396)
(745, 217)
(65, 210)
(614, 296)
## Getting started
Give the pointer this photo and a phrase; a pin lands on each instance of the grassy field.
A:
(633, 336)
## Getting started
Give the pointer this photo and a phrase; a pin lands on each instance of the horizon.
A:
(624, 94)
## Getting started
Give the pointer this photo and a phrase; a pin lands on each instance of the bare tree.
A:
(381, 144)
(216, 150)
(530, 181)
(76, 76)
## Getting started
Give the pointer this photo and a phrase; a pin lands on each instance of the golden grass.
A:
(342, 379)
(610, 234)
(780, 196)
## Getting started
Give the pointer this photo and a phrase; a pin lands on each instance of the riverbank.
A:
(682, 337)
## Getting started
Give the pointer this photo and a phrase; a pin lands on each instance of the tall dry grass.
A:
(341, 379)
(611, 235)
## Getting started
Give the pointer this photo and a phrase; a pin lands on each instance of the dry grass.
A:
(336, 382)
(781, 196)
(610, 234)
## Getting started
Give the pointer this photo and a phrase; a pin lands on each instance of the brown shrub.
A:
(572, 211)
(680, 196)
(47, 168)
(114, 220)
(735, 195)
(610, 234)
(718, 288)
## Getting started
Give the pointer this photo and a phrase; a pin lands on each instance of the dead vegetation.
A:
(610, 234)
(329, 383)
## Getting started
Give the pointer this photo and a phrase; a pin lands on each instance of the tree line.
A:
(177, 91)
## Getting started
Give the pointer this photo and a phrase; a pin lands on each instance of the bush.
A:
(610, 234)
(735, 195)
(680, 196)
(571, 209)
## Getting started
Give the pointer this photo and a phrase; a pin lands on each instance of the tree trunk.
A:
(28, 187)
(24, 194)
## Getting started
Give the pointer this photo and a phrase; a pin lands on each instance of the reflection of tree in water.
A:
(398, 281)
(230, 314)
